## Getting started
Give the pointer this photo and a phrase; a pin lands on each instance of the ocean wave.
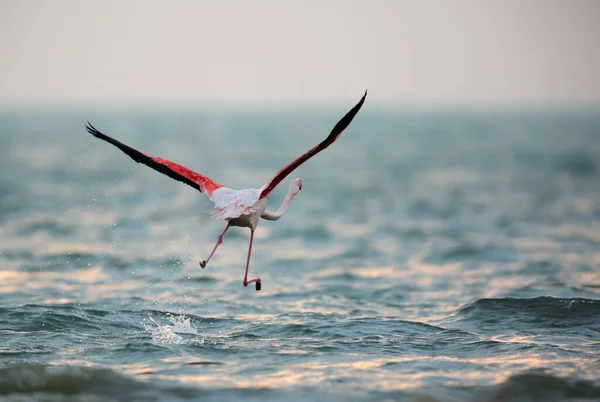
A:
(531, 314)
(542, 306)
(39, 382)
(66, 317)
(526, 387)
(46, 382)
(69, 380)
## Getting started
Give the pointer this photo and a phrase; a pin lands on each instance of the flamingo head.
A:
(295, 186)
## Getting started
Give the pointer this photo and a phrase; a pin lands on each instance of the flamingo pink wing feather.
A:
(171, 169)
(207, 186)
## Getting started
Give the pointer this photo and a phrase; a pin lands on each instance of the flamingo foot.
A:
(203, 263)
(257, 282)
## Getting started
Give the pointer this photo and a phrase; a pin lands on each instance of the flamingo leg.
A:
(219, 241)
(256, 280)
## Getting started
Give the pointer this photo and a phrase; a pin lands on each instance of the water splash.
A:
(169, 334)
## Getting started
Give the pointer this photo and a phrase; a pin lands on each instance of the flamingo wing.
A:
(171, 169)
(335, 133)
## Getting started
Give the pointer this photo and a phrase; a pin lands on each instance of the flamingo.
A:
(242, 208)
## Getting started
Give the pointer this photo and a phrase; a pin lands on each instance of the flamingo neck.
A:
(273, 216)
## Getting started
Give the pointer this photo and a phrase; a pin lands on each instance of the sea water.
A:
(430, 256)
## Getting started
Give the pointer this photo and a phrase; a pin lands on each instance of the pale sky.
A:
(431, 52)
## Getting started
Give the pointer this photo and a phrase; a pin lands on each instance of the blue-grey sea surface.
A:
(430, 256)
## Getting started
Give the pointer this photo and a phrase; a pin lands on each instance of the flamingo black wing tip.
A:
(92, 130)
(358, 105)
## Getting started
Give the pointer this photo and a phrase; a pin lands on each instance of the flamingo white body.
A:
(230, 203)
(243, 208)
